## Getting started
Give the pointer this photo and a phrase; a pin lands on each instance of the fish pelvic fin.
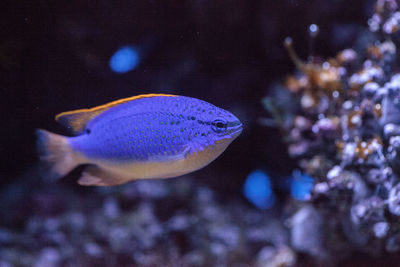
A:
(94, 175)
(55, 150)
(76, 120)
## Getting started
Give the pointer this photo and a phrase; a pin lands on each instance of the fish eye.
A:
(219, 126)
(88, 131)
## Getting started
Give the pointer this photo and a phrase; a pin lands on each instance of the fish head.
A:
(225, 127)
(212, 129)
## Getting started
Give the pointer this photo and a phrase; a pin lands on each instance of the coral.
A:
(343, 128)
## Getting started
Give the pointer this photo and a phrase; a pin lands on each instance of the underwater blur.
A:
(258, 190)
(124, 59)
(312, 103)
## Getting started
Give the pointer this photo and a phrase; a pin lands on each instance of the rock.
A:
(307, 230)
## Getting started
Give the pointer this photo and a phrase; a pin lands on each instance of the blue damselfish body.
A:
(142, 137)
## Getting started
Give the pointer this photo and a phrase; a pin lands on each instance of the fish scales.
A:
(150, 128)
(151, 131)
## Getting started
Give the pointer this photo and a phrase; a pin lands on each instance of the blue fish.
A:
(258, 190)
(125, 59)
(301, 185)
(142, 137)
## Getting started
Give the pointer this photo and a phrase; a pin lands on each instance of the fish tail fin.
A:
(55, 150)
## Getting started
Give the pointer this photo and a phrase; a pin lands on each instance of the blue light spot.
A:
(258, 190)
(125, 59)
(301, 185)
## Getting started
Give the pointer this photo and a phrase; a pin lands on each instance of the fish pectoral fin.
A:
(76, 120)
(96, 176)
(180, 155)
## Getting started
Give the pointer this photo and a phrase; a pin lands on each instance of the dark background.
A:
(54, 57)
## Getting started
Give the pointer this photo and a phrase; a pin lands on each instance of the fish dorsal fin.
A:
(76, 120)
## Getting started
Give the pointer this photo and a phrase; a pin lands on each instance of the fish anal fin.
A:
(76, 120)
(96, 176)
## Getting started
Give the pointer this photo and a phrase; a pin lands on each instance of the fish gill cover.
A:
(343, 129)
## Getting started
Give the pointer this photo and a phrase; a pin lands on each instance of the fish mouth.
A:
(235, 128)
